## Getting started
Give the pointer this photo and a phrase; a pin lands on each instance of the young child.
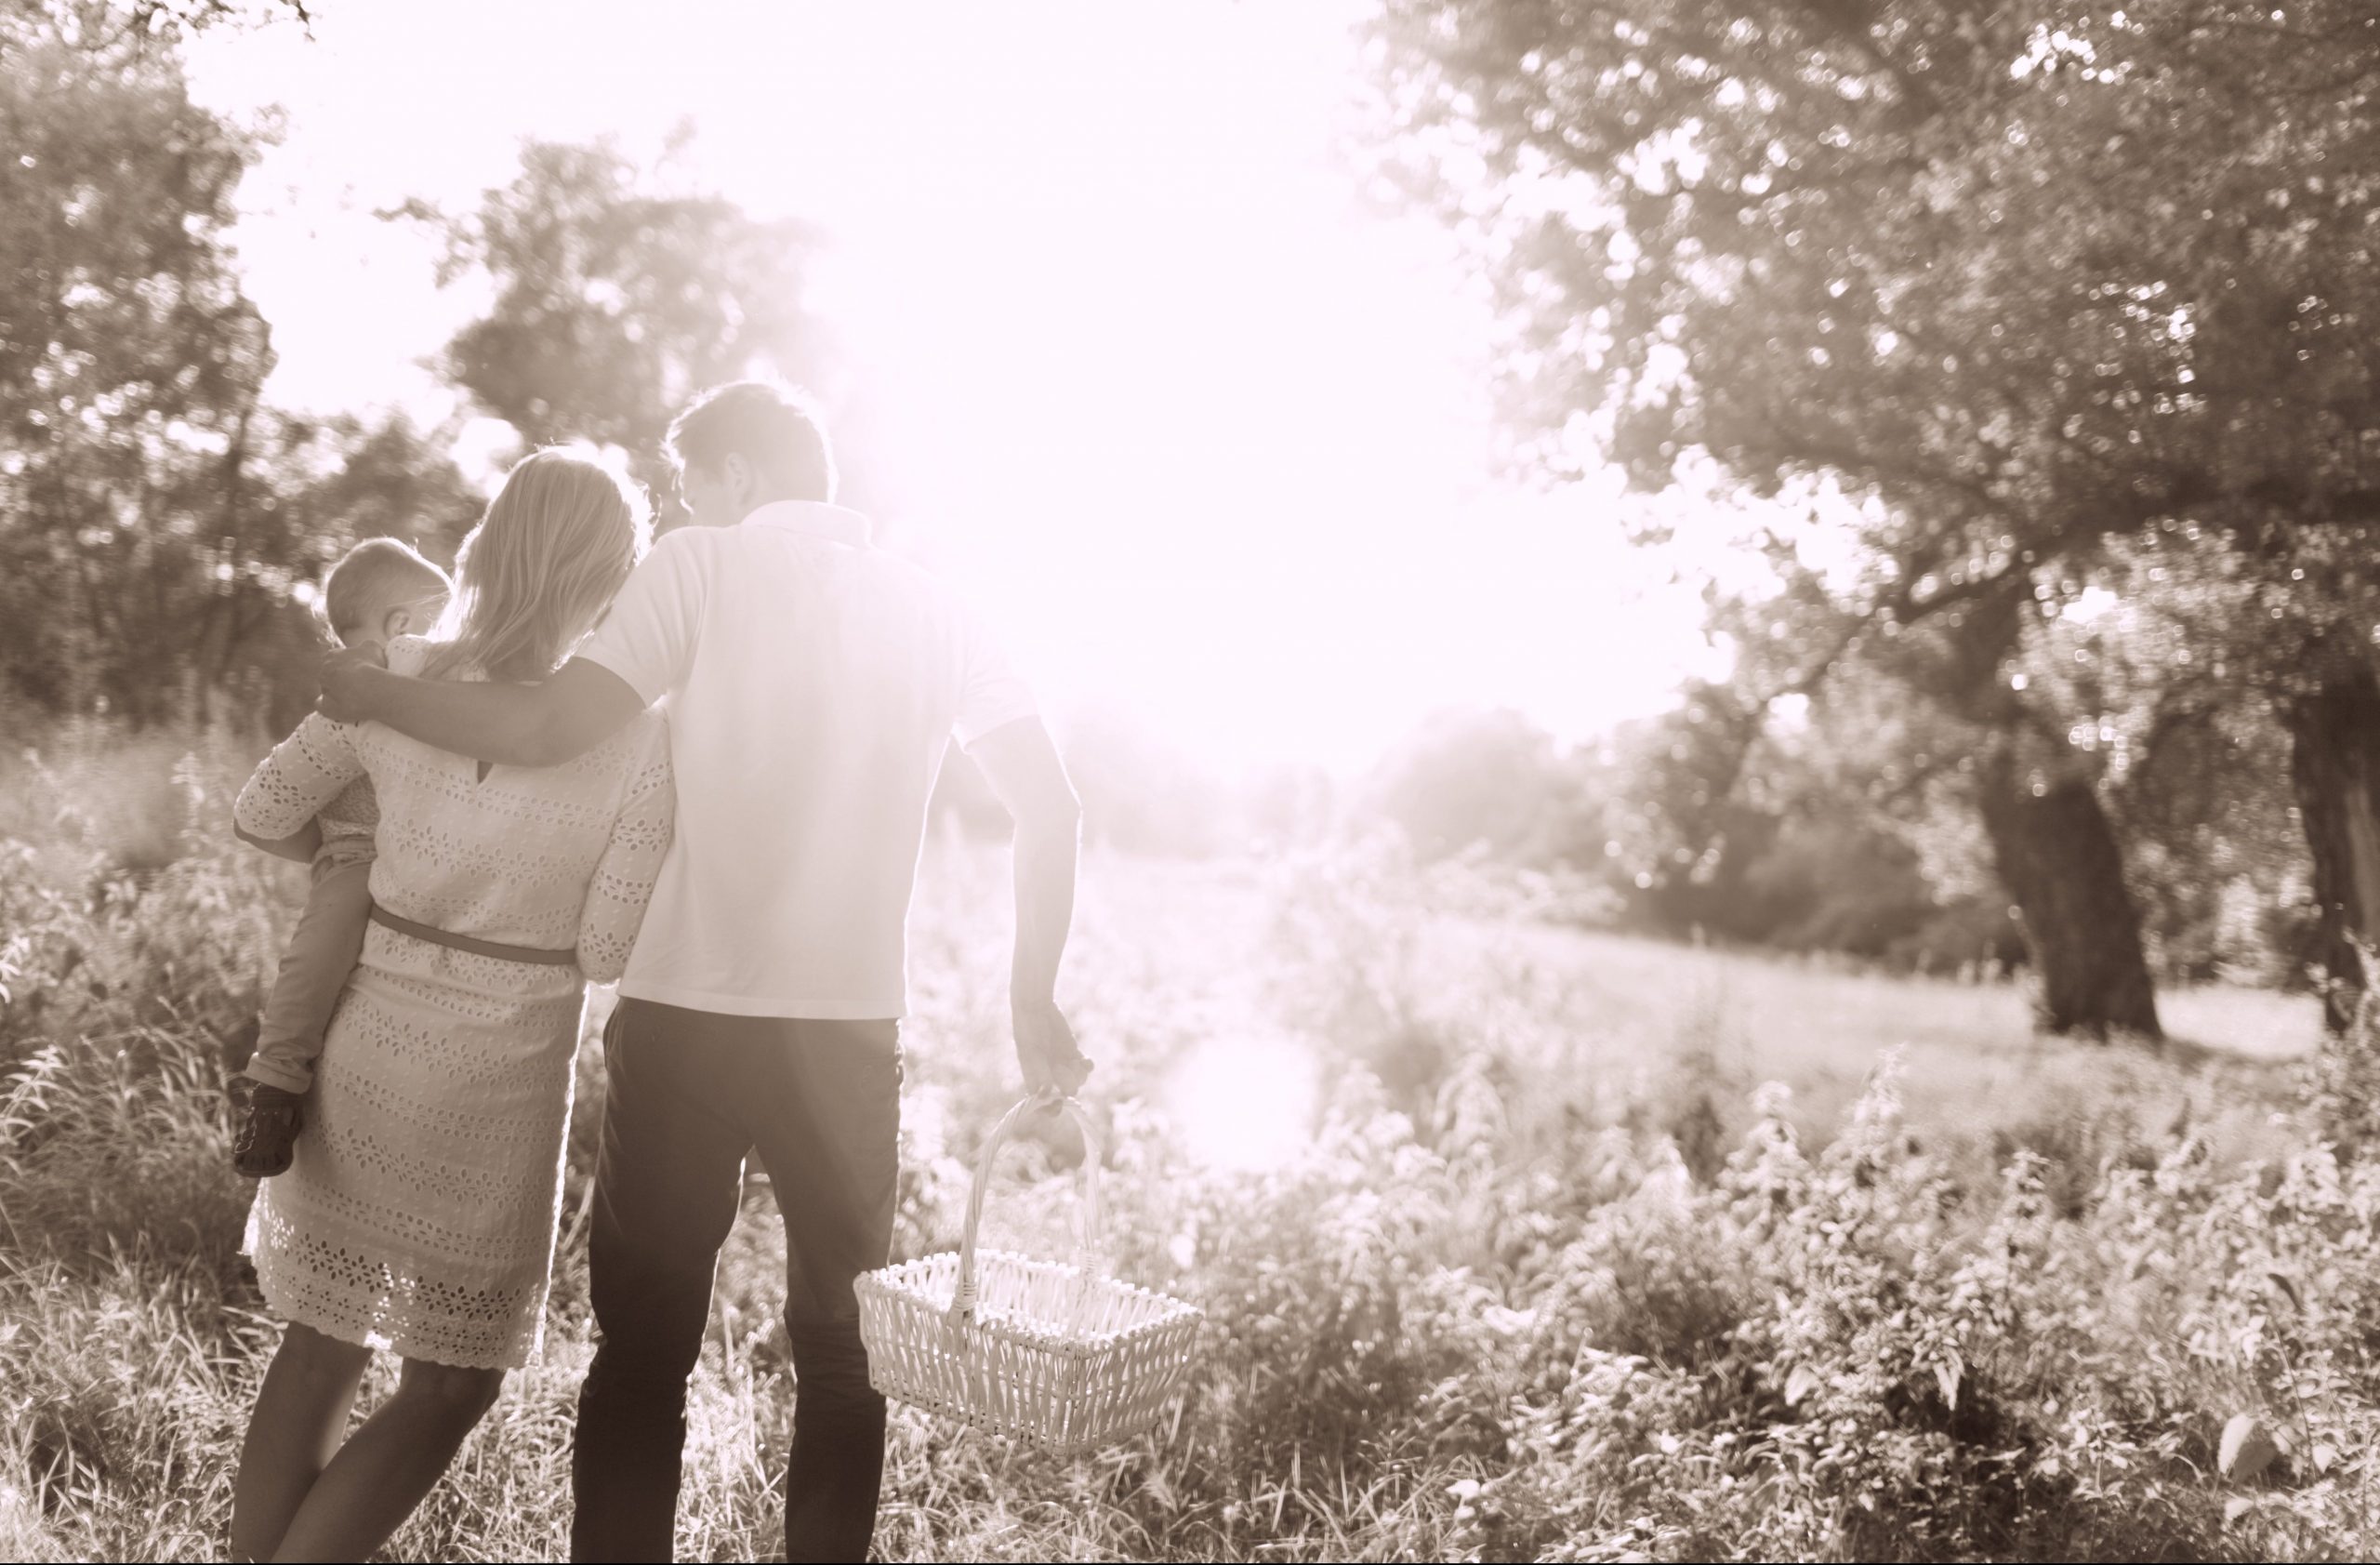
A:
(380, 588)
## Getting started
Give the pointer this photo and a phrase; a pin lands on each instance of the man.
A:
(813, 685)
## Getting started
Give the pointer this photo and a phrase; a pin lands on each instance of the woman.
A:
(419, 1212)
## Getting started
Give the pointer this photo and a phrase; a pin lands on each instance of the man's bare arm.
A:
(298, 847)
(541, 725)
(1022, 767)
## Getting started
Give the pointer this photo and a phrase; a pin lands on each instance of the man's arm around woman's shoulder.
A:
(542, 724)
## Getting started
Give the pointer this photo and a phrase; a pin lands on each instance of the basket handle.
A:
(962, 1299)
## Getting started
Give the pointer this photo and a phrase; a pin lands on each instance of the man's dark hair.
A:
(772, 426)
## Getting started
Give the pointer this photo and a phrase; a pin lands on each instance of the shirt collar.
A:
(814, 517)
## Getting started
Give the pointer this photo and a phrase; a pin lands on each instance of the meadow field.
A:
(1516, 1241)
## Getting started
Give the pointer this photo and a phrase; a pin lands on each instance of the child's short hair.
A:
(375, 576)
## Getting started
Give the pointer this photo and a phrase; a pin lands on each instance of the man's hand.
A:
(344, 683)
(1046, 1049)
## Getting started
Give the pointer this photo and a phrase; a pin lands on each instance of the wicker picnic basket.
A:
(1057, 1354)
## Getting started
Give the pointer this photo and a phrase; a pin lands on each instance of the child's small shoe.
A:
(266, 1139)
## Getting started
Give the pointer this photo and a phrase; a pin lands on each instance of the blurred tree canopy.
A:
(106, 24)
(2031, 278)
(614, 304)
(2071, 308)
(161, 525)
(156, 519)
(129, 367)
(1479, 780)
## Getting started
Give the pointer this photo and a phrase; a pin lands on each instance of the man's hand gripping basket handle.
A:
(962, 1301)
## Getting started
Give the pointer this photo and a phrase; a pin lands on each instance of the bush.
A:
(1547, 1282)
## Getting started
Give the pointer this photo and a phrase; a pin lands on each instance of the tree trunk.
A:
(2334, 771)
(2058, 855)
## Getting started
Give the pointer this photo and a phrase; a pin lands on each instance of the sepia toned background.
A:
(1723, 661)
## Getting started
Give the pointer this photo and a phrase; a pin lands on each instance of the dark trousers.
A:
(691, 1092)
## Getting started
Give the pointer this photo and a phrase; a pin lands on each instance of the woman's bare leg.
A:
(301, 1411)
(384, 1468)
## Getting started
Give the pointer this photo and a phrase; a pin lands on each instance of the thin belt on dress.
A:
(437, 936)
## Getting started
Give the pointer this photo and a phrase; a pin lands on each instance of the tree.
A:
(1475, 781)
(107, 24)
(1819, 832)
(159, 524)
(2030, 277)
(2186, 673)
(614, 304)
(130, 365)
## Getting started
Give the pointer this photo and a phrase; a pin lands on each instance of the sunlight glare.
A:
(1204, 436)
(1246, 1104)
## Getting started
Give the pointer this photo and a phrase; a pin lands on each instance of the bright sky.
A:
(1209, 441)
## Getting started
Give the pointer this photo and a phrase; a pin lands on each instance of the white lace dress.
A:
(419, 1213)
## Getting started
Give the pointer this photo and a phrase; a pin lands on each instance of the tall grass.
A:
(1555, 1276)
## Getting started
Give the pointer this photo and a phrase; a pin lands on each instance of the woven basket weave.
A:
(1059, 1355)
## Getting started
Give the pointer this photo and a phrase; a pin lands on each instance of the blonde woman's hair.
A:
(532, 577)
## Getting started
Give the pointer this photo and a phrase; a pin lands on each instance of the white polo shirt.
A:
(815, 683)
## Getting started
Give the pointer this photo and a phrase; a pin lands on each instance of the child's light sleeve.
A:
(305, 771)
(624, 876)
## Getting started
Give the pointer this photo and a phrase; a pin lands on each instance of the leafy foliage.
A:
(129, 366)
(2024, 282)
(2034, 277)
(157, 518)
(1517, 1305)
(615, 304)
